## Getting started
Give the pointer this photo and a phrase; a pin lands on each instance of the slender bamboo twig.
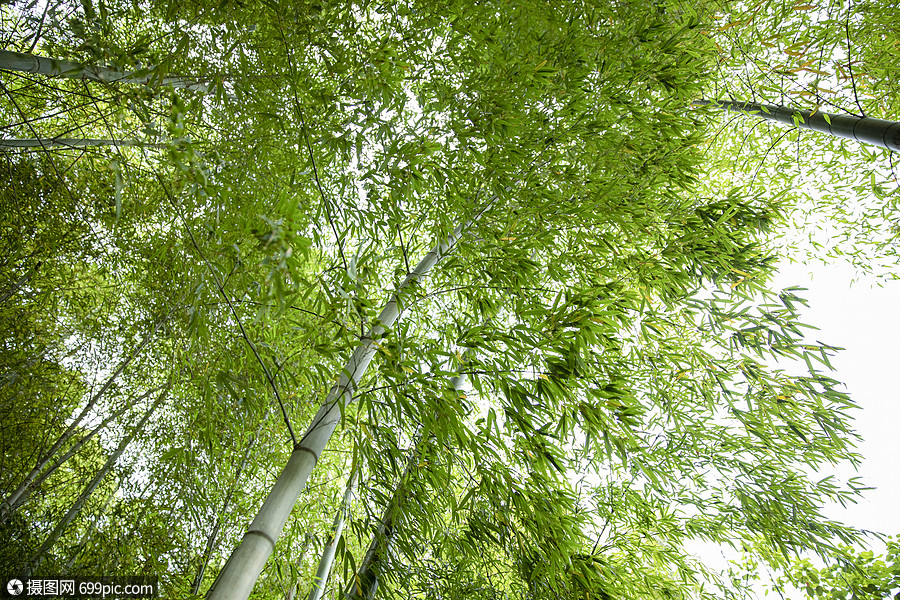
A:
(222, 293)
(862, 112)
(213, 535)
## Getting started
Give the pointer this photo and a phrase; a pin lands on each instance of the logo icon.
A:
(14, 587)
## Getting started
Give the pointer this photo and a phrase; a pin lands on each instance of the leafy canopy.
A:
(608, 305)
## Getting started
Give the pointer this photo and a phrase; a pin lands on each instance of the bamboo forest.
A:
(399, 299)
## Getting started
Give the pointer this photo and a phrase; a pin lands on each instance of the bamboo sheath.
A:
(868, 130)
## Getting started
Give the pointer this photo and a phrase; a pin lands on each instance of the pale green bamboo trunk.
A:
(367, 576)
(239, 575)
(74, 143)
(56, 67)
(81, 442)
(8, 292)
(291, 594)
(324, 569)
(91, 487)
(88, 533)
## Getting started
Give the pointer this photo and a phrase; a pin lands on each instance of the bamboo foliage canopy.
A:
(492, 246)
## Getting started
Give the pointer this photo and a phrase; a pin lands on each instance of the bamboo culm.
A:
(868, 130)
(366, 582)
(74, 143)
(8, 293)
(56, 67)
(136, 525)
(238, 577)
(91, 487)
(8, 506)
(89, 532)
(337, 529)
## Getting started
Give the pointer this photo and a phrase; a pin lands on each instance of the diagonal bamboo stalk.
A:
(367, 580)
(239, 575)
(868, 130)
(324, 569)
(8, 506)
(89, 531)
(37, 483)
(76, 508)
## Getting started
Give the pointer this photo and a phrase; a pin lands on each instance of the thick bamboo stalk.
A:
(7, 507)
(91, 487)
(57, 67)
(213, 535)
(74, 143)
(868, 130)
(239, 575)
(324, 569)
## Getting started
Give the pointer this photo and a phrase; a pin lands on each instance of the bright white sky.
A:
(866, 322)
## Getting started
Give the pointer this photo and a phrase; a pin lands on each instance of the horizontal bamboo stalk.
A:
(73, 143)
